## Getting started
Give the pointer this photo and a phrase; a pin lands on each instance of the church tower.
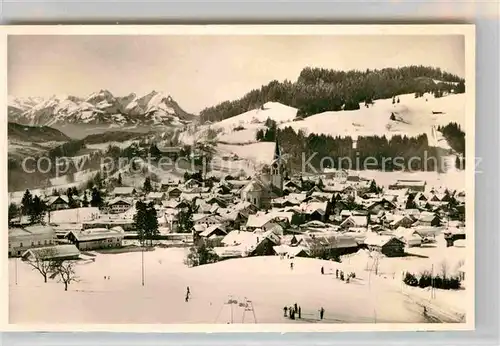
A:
(277, 169)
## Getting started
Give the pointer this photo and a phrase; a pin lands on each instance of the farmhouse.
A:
(97, 238)
(215, 230)
(57, 252)
(355, 221)
(156, 197)
(58, 202)
(22, 239)
(123, 191)
(389, 246)
(119, 205)
(428, 219)
(411, 185)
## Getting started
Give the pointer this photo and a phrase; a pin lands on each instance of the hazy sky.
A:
(200, 71)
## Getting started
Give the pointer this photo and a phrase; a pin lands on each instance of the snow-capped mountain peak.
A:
(102, 107)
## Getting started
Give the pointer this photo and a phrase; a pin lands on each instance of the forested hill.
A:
(319, 90)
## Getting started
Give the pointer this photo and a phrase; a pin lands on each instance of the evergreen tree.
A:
(13, 211)
(393, 117)
(151, 222)
(38, 210)
(393, 100)
(85, 202)
(140, 221)
(154, 151)
(26, 203)
(147, 185)
(96, 200)
(185, 219)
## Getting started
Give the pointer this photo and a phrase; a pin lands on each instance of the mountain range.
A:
(154, 108)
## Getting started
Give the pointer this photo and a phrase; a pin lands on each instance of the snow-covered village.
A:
(264, 209)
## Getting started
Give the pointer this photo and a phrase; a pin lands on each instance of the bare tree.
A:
(42, 261)
(66, 272)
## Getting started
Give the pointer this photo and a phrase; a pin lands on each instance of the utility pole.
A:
(142, 259)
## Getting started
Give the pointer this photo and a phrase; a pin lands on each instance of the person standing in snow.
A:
(337, 273)
(322, 270)
(300, 312)
(284, 311)
(295, 309)
(291, 265)
(321, 313)
(188, 292)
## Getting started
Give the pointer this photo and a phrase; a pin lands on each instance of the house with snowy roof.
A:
(355, 221)
(97, 238)
(428, 219)
(57, 202)
(123, 191)
(248, 243)
(401, 221)
(411, 185)
(156, 197)
(119, 205)
(213, 231)
(22, 239)
(50, 253)
(387, 245)
(409, 236)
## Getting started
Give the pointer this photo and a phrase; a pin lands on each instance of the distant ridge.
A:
(154, 108)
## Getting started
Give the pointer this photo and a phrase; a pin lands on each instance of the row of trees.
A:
(371, 152)
(454, 136)
(268, 134)
(436, 281)
(318, 90)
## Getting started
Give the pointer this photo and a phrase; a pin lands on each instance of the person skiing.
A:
(321, 313)
(322, 270)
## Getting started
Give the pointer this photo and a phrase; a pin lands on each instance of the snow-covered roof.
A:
(53, 252)
(357, 220)
(208, 232)
(96, 233)
(378, 240)
(52, 199)
(31, 230)
(120, 200)
(123, 190)
(74, 215)
(155, 195)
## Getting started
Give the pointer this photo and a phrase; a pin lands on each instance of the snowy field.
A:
(267, 281)
(413, 117)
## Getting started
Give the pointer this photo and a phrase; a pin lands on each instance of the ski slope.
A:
(413, 116)
(267, 281)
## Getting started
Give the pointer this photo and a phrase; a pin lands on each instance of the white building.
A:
(22, 239)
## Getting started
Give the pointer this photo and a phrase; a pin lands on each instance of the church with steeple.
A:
(277, 169)
(266, 186)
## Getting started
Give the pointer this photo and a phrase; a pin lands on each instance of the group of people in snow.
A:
(292, 311)
(295, 311)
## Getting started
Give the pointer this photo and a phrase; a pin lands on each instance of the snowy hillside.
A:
(413, 116)
(102, 107)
